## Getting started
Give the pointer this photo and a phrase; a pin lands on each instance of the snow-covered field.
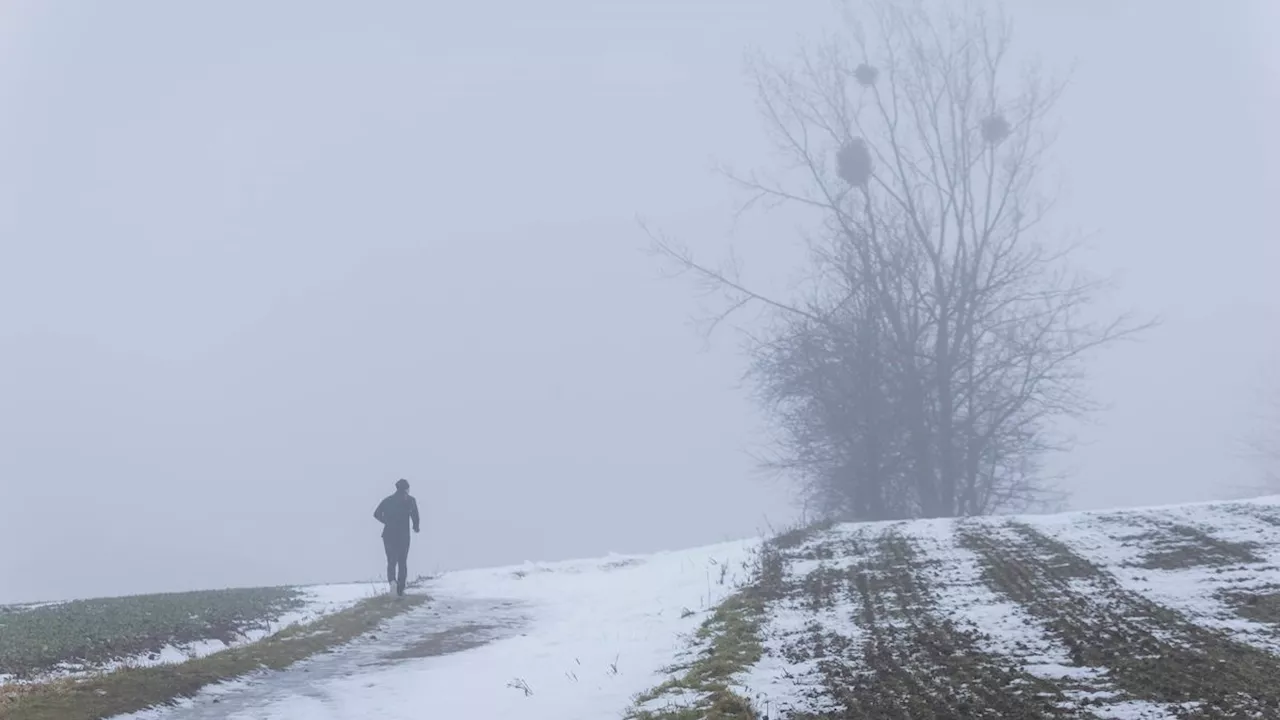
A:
(1142, 614)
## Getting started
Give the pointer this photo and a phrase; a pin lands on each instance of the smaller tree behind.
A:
(1264, 447)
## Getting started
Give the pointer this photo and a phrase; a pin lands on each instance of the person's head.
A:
(402, 485)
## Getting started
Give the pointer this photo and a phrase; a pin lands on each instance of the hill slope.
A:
(1157, 613)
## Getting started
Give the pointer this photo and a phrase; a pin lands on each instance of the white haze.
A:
(258, 260)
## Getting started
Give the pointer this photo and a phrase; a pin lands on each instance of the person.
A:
(397, 512)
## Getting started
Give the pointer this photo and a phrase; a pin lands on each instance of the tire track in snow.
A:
(1004, 628)
(1210, 590)
(863, 633)
(788, 679)
(1151, 652)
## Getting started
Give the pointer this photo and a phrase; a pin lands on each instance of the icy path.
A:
(443, 626)
(557, 640)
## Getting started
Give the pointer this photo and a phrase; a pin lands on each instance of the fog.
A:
(259, 260)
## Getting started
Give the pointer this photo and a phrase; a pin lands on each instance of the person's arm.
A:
(381, 513)
(413, 513)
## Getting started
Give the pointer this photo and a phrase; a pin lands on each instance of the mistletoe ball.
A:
(866, 75)
(995, 128)
(853, 162)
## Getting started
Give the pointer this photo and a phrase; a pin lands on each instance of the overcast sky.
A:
(258, 260)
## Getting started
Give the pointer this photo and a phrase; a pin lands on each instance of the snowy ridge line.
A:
(1201, 591)
(1256, 524)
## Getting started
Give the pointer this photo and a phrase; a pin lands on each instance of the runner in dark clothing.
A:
(397, 513)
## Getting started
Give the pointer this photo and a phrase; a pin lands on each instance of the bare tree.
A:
(923, 368)
(1268, 445)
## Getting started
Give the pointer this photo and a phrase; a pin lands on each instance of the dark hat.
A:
(402, 484)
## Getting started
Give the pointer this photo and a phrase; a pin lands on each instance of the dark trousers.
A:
(397, 560)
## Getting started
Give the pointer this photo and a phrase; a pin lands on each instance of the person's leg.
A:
(402, 569)
(390, 548)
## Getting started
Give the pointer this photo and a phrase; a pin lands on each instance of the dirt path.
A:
(440, 627)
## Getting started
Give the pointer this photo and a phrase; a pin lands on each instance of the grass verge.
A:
(730, 643)
(132, 689)
(84, 634)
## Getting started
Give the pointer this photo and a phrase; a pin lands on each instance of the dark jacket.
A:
(396, 513)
